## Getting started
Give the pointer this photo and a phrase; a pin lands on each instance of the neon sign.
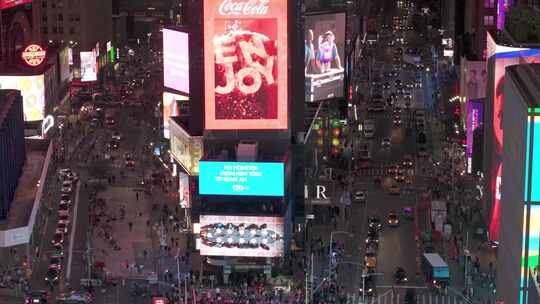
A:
(34, 55)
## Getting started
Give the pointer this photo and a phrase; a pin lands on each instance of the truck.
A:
(369, 128)
(436, 271)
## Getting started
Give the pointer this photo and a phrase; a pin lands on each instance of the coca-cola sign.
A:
(250, 7)
(246, 47)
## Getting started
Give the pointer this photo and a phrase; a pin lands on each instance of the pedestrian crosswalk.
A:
(398, 297)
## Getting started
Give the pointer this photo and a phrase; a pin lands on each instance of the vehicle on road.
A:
(436, 270)
(37, 297)
(74, 297)
(386, 143)
(407, 161)
(393, 219)
(369, 286)
(369, 128)
(393, 189)
(67, 186)
(370, 260)
(58, 238)
(129, 161)
(374, 223)
(52, 275)
(400, 276)
(359, 196)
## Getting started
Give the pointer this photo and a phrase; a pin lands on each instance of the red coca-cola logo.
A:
(250, 7)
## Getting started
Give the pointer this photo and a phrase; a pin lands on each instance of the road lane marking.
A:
(73, 228)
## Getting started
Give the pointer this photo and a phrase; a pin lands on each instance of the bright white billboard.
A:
(33, 92)
(176, 60)
(246, 236)
(88, 66)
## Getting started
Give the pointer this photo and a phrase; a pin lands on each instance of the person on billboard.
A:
(328, 52)
(310, 61)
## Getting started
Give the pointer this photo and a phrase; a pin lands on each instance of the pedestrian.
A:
(147, 223)
(130, 224)
(136, 196)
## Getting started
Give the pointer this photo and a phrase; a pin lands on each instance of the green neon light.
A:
(528, 139)
(535, 169)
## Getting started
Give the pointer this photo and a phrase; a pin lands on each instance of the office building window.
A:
(44, 18)
(72, 30)
(44, 4)
(489, 20)
(55, 30)
(489, 3)
(60, 30)
(44, 30)
(60, 17)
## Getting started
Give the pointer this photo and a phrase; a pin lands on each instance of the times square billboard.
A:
(499, 57)
(246, 64)
(475, 118)
(5, 4)
(176, 60)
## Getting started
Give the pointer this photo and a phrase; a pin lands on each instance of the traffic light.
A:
(335, 140)
(318, 127)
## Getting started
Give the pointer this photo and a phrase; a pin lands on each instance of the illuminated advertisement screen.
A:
(176, 60)
(88, 66)
(241, 178)
(475, 117)
(33, 92)
(324, 56)
(245, 64)
(475, 79)
(171, 108)
(245, 236)
(4, 4)
(499, 57)
(183, 190)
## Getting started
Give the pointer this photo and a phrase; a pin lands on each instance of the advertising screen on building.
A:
(187, 150)
(324, 50)
(33, 92)
(475, 117)
(4, 4)
(245, 64)
(184, 190)
(241, 178)
(63, 60)
(171, 108)
(475, 79)
(499, 57)
(176, 60)
(245, 236)
(88, 66)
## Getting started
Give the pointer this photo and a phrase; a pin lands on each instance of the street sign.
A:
(91, 282)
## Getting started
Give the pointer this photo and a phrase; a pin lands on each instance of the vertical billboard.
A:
(183, 190)
(88, 66)
(499, 57)
(243, 236)
(245, 64)
(475, 117)
(171, 108)
(33, 92)
(5, 4)
(475, 79)
(324, 56)
(186, 149)
(63, 56)
(176, 60)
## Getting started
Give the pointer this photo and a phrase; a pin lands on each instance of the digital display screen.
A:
(241, 178)
(475, 79)
(245, 236)
(33, 92)
(4, 4)
(475, 117)
(171, 108)
(176, 60)
(324, 56)
(245, 62)
(88, 66)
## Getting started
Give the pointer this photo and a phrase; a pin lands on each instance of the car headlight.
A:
(405, 279)
(367, 240)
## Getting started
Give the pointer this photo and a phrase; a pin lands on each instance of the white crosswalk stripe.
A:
(422, 298)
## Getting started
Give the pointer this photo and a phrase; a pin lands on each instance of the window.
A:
(44, 4)
(72, 30)
(44, 18)
(489, 20)
(55, 30)
(60, 17)
(489, 3)
(44, 30)
(60, 30)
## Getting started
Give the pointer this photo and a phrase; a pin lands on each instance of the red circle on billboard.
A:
(34, 55)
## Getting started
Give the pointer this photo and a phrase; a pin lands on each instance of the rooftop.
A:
(25, 195)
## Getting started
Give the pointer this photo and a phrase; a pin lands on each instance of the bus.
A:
(436, 270)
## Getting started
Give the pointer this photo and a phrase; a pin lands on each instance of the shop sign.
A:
(33, 55)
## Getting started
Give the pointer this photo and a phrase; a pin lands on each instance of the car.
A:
(370, 260)
(36, 297)
(52, 274)
(397, 120)
(374, 223)
(57, 254)
(116, 136)
(407, 161)
(400, 276)
(393, 189)
(386, 86)
(359, 196)
(392, 219)
(418, 83)
(67, 187)
(64, 171)
(129, 161)
(62, 228)
(78, 297)
(376, 107)
(113, 144)
(421, 150)
(63, 212)
(369, 287)
(63, 218)
(397, 82)
(55, 262)
(386, 143)
(58, 238)
(399, 177)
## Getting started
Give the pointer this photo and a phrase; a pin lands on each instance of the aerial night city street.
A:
(191, 151)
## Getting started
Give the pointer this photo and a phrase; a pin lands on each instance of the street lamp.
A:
(330, 250)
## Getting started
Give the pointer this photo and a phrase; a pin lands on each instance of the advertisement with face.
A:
(171, 108)
(324, 56)
(475, 118)
(475, 79)
(176, 60)
(88, 66)
(33, 92)
(244, 236)
(500, 57)
(241, 178)
(245, 59)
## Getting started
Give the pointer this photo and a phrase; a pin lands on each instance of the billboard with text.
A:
(475, 118)
(245, 64)
(246, 236)
(176, 60)
(324, 60)
(241, 178)
(88, 66)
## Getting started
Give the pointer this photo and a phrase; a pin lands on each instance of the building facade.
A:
(12, 148)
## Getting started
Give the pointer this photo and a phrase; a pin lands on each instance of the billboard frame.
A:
(346, 79)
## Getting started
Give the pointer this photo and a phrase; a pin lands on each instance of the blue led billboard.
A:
(241, 178)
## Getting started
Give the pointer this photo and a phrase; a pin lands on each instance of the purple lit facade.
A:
(475, 117)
